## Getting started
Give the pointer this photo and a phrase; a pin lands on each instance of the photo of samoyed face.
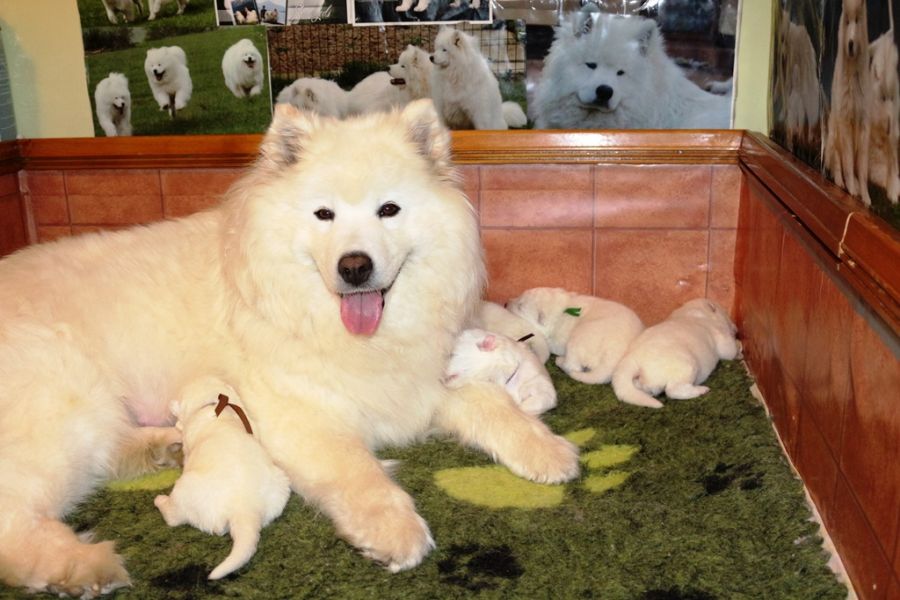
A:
(412, 73)
(169, 78)
(311, 94)
(242, 67)
(112, 102)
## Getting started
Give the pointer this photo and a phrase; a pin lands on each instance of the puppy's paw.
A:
(552, 460)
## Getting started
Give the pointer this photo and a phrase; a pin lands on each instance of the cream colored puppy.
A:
(676, 355)
(481, 355)
(589, 335)
(493, 317)
(229, 483)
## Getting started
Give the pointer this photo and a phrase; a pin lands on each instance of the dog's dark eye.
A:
(388, 209)
(324, 214)
(620, 72)
(591, 66)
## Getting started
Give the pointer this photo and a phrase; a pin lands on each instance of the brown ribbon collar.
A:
(223, 402)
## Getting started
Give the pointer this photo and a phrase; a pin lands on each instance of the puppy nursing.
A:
(676, 355)
(216, 493)
(589, 335)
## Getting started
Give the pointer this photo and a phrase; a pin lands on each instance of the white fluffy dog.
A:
(797, 81)
(847, 137)
(884, 112)
(320, 96)
(328, 297)
(611, 72)
(464, 90)
(156, 5)
(169, 78)
(374, 94)
(112, 102)
(481, 355)
(229, 484)
(124, 7)
(589, 335)
(242, 66)
(411, 74)
(493, 317)
(676, 355)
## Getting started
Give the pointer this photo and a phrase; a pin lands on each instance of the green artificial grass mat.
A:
(692, 501)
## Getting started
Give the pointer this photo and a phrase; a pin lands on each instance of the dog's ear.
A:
(583, 22)
(283, 143)
(425, 130)
(647, 35)
(488, 344)
(457, 38)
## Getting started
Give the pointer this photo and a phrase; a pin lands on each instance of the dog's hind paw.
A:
(553, 460)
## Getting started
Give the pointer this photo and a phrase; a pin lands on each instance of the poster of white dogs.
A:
(836, 94)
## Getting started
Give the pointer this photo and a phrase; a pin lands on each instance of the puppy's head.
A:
(853, 30)
(542, 307)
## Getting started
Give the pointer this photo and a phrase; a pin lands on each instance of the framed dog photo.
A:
(467, 69)
(238, 12)
(630, 65)
(836, 95)
(316, 11)
(416, 12)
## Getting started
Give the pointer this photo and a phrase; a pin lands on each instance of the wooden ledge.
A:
(469, 147)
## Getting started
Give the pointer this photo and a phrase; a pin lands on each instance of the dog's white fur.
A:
(169, 78)
(481, 355)
(99, 332)
(493, 317)
(156, 5)
(229, 484)
(242, 66)
(797, 81)
(676, 355)
(587, 346)
(611, 72)
(847, 137)
(112, 102)
(411, 74)
(320, 96)
(374, 93)
(125, 7)
(884, 112)
(464, 90)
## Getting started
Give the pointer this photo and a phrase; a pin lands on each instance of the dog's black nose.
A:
(431, 58)
(355, 268)
(850, 47)
(604, 93)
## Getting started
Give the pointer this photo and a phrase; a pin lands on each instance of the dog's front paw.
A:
(96, 570)
(553, 460)
(392, 533)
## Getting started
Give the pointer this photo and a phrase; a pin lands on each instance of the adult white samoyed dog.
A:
(612, 72)
(112, 103)
(321, 96)
(242, 66)
(329, 298)
(169, 78)
(464, 90)
(411, 74)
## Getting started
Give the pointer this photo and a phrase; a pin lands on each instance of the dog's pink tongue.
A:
(361, 312)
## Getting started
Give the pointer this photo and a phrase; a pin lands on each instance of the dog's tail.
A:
(244, 532)
(514, 115)
(627, 371)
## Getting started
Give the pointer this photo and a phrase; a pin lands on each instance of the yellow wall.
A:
(46, 67)
(45, 57)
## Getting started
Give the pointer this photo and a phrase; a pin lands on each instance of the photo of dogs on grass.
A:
(194, 15)
(199, 83)
(474, 81)
(653, 66)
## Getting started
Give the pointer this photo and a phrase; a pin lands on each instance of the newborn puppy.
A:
(480, 355)
(493, 317)
(676, 355)
(229, 484)
(589, 335)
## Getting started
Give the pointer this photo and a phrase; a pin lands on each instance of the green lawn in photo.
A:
(212, 108)
(199, 15)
